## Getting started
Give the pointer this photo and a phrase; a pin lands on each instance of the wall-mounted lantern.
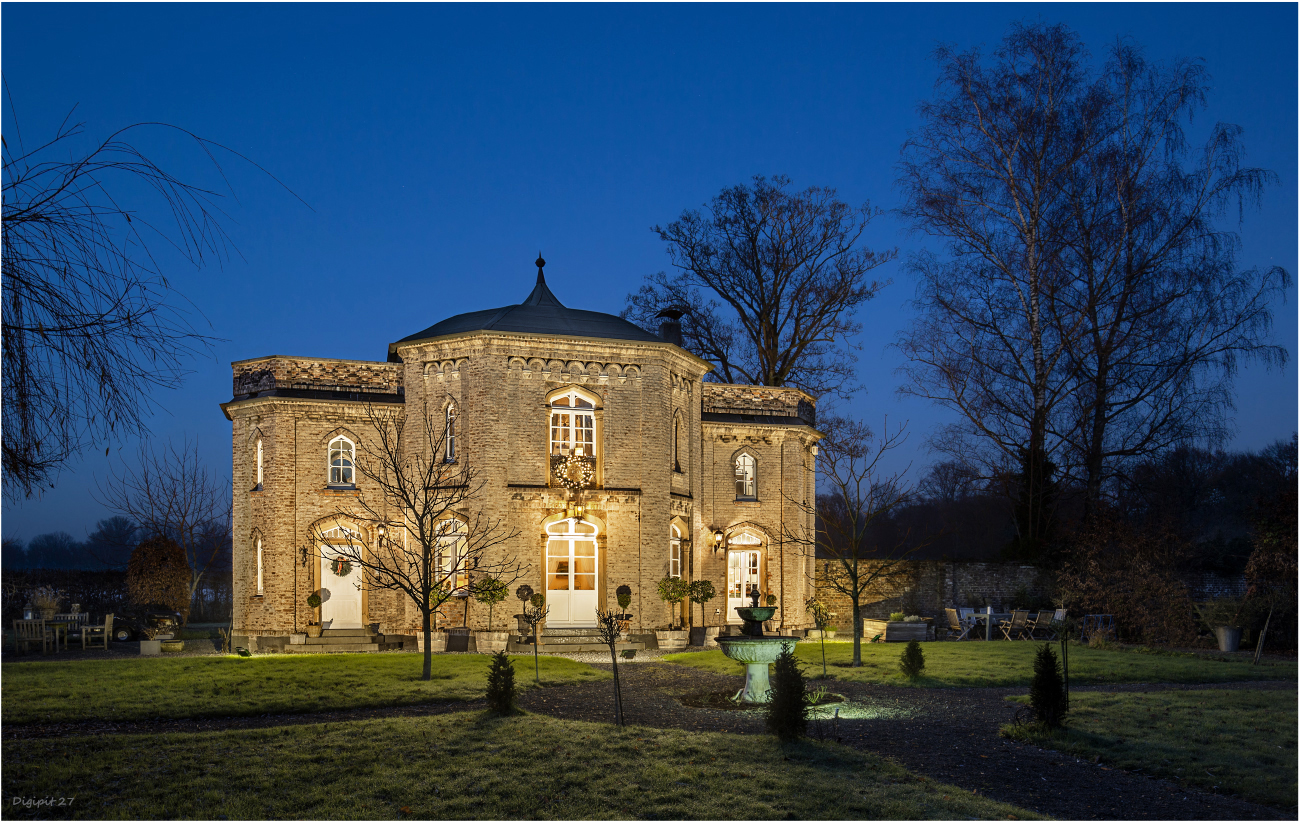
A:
(718, 539)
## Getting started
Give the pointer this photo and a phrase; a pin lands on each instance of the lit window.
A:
(453, 563)
(340, 463)
(451, 434)
(259, 566)
(675, 553)
(573, 425)
(259, 462)
(745, 484)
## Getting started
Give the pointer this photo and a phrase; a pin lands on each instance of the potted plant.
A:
(489, 591)
(1223, 617)
(313, 626)
(523, 593)
(672, 590)
(45, 602)
(701, 591)
(898, 628)
(624, 596)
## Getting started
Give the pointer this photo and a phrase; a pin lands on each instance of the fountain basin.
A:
(756, 652)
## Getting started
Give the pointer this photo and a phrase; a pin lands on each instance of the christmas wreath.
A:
(575, 472)
(341, 567)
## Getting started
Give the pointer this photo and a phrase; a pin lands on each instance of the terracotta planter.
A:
(671, 640)
(489, 642)
(313, 631)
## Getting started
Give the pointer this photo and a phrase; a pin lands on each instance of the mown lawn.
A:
(468, 766)
(192, 687)
(991, 664)
(1241, 742)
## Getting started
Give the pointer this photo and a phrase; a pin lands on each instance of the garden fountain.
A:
(755, 650)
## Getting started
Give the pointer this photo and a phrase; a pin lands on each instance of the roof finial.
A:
(541, 279)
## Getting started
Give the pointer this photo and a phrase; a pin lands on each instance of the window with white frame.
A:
(259, 462)
(259, 566)
(451, 556)
(573, 425)
(675, 552)
(450, 451)
(746, 484)
(341, 457)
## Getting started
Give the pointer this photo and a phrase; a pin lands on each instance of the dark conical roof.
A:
(539, 313)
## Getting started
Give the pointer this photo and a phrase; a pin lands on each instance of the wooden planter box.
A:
(671, 640)
(893, 631)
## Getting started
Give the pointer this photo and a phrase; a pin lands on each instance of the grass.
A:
(1241, 742)
(468, 766)
(193, 687)
(993, 664)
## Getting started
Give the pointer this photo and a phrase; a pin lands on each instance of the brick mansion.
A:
(696, 479)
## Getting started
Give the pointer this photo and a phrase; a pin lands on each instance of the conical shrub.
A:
(913, 660)
(1047, 690)
(501, 685)
(787, 712)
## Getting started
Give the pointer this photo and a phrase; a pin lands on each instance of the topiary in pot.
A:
(624, 596)
(700, 592)
(673, 590)
(313, 600)
(912, 662)
(489, 591)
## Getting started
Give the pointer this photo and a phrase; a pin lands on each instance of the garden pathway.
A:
(948, 734)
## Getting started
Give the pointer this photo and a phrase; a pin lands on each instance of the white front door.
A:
(742, 581)
(571, 574)
(340, 596)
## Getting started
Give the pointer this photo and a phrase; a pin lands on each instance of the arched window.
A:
(259, 462)
(340, 462)
(450, 453)
(746, 479)
(452, 558)
(677, 443)
(259, 564)
(573, 425)
(675, 552)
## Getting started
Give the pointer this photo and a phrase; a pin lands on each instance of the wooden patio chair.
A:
(97, 634)
(30, 631)
(76, 622)
(958, 628)
(1016, 627)
(1048, 625)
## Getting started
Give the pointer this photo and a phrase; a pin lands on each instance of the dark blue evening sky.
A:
(440, 147)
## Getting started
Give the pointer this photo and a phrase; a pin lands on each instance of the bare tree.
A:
(847, 558)
(790, 274)
(169, 493)
(91, 324)
(1163, 314)
(986, 173)
(430, 537)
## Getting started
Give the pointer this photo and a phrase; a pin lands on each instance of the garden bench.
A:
(29, 631)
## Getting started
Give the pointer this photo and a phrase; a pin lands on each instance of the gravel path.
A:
(946, 734)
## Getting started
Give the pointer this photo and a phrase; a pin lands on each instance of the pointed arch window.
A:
(677, 443)
(341, 456)
(259, 463)
(452, 556)
(449, 454)
(746, 477)
(259, 566)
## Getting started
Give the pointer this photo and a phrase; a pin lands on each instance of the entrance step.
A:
(332, 648)
(362, 632)
(559, 632)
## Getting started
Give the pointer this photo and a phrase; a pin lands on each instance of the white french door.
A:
(742, 581)
(340, 596)
(571, 574)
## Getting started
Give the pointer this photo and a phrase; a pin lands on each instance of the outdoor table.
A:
(988, 618)
(59, 627)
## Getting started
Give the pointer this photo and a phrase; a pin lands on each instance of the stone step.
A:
(550, 632)
(349, 648)
(567, 640)
(588, 647)
(346, 632)
(334, 639)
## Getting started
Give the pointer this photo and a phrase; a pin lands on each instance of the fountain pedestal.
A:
(756, 651)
